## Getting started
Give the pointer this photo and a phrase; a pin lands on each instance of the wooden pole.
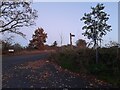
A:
(70, 39)
(71, 35)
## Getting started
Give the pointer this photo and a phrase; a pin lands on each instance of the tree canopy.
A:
(38, 39)
(14, 15)
(96, 24)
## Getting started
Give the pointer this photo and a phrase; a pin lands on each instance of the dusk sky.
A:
(62, 18)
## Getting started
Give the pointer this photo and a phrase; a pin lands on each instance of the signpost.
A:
(71, 35)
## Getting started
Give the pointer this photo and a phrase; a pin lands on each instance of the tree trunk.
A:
(95, 47)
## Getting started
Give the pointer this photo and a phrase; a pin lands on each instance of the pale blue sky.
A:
(62, 18)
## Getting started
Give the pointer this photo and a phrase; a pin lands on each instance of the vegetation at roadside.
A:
(83, 61)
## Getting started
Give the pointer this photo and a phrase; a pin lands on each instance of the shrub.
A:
(83, 60)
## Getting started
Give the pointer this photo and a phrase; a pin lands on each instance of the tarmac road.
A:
(14, 77)
(9, 61)
(15, 74)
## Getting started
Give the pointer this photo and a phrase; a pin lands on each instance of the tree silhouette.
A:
(7, 43)
(39, 38)
(96, 24)
(14, 15)
(112, 44)
(17, 47)
(55, 44)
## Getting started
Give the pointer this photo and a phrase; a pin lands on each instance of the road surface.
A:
(10, 61)
(34, 71)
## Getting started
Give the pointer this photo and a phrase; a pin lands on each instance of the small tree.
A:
(39, 38)
(81, 43)
(96, 24)
(14, 15)
(55, 44)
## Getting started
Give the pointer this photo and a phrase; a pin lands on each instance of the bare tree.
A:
(14, 15)
(61, 39)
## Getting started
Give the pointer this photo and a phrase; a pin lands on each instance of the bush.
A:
(83, 60)
(67, 59)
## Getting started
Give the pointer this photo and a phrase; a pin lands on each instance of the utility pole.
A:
(71, 35)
